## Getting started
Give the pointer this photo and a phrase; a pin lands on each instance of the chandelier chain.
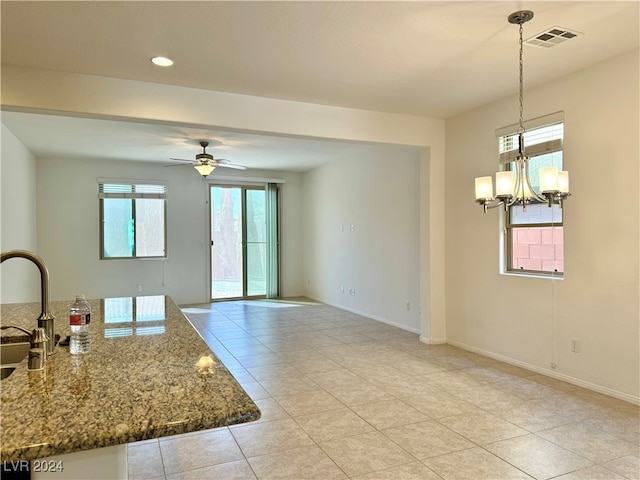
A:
(521, 97)
(514, 186)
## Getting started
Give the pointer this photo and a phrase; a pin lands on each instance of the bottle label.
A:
(78, 319)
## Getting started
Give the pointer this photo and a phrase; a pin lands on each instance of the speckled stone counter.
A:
(139, 381)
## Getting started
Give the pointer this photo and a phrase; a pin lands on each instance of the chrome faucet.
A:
(46, 318)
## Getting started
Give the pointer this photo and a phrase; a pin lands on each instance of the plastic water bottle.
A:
(79, 321)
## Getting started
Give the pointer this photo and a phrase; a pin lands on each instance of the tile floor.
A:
(344, 396)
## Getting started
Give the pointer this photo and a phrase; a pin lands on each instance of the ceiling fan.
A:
(205, 163)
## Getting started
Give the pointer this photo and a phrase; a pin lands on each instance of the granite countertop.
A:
(139, 381)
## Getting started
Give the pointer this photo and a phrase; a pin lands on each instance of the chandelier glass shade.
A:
(514, 186)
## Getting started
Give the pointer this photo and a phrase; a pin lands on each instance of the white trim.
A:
(132, 181)
(222, 179)
(432, 341)
(549, 373)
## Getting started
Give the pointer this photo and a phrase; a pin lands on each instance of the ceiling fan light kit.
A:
(204, 169)
(205, 163)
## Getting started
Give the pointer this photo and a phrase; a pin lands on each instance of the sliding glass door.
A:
(241, 233)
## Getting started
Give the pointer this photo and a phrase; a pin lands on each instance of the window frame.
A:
(506, 150)
(132, 190)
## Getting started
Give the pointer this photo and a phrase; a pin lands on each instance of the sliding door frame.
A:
(244, 187)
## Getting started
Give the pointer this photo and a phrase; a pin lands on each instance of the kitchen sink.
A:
(11, 354)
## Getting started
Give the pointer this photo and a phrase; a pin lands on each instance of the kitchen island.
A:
(139, 381)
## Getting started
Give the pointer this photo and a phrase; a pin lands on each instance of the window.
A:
(534, 241)
(132, 220)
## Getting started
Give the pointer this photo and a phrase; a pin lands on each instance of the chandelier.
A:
(514, 186)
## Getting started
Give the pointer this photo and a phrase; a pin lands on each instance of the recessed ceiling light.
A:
(162, 61)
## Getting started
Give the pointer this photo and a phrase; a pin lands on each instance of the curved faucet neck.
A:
(45, 313)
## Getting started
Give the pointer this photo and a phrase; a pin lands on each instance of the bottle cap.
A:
(80, 296)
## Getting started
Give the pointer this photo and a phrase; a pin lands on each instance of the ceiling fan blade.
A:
(231, 165)
(181, 160)
(179, 165)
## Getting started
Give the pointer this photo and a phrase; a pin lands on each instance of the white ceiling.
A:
(434, 59)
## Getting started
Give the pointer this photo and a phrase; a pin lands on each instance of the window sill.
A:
(548, 276)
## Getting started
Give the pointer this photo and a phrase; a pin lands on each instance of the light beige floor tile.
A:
(308, 402)
(288, 385)
(241, 374)
(449, 381)
(571, 403)
(489, 398)
(427, 439)
(143, 442)
(390, 413)
(551, 382)
(182, 453)
(418, 367)
(454, 362)
(239, 470)
(268, 437)
(474, 464)
(359, 393)
(376, 372)
(255, 391)
(307, 463)
(590, 442)
(270, 371)
(317, 365)
(333, 424)
(383, 367)
(144, 460)
(622, 424)
(336, 378)
(533, 416)
(438, 403)
(595, 472)
(410, 471)
(538, 457)
(270, 410)
(250, 361)
(403, 386)
(365, 453)
(481, 427)
(627, 466)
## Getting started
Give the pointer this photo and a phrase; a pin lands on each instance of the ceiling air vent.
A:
(552, 37)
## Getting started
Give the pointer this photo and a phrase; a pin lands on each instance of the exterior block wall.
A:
(538, 248)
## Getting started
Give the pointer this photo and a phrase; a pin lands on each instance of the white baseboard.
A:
(549, 373)
(432, 341)
(365, 314)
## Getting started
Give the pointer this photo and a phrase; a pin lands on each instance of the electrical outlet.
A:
(139, 288)
(575, 345)
(408, 306)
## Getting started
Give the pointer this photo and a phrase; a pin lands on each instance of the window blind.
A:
(131, 190)
(542, 135)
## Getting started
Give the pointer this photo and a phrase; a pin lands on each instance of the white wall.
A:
(20, 279)
(531, 321)
(361, 231)
(68, 231)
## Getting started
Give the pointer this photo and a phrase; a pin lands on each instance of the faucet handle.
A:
(38, 339)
